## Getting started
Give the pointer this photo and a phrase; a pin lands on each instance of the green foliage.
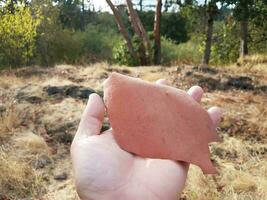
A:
(168, 51)
(70, 14)
(122, 55)
(47, 32)
(17, 36)
(258, 27)
(53, 44)
(171, 53)
(104, 19)
(57, 45)
(225, 46)
(182, 53)
(96, 43)
(195, 18)
(173, 25)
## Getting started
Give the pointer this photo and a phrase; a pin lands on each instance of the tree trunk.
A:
(244, 38)
(141, 5)
(157, 46)
(122, 29)
(133, 17)
(140, 32)
(210, 13)
(206, 56)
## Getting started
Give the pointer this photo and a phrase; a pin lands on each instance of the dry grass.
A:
(242, 176)
(10, 120)
(32, 143)
(17, 178)
(241, 157)
(254, 62)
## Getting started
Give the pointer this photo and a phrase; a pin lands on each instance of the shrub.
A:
(171, 53)
(122, 55)
(17, 36)
(96, 43)
(225, 46)
(182, 53)
(53, 43)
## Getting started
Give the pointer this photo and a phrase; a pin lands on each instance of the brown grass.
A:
(17, 178)
(254, 62)
(241, 158)
(10, 120)
(32, 143)
(243, 177)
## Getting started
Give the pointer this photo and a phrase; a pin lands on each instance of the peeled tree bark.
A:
(244, 38)
(157, 45)
(133, 17)
(140, 31)
(122, 29)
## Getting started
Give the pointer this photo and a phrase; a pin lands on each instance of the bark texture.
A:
(244, 38)
(122, 29)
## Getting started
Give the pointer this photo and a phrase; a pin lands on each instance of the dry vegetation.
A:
(40, 109)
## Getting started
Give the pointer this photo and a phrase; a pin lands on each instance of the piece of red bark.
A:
(158, 121)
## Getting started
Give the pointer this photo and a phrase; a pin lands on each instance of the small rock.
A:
(207, 82)
(63, 137)
(178, 69)
(73, 91)
(104, 75)
(2, 109)
(43, 161)
(205, 69)
(61, 176)
(82, 93)
(188, 73)
(33, 99)
(52, 90)
(262, 88)
(240, 82)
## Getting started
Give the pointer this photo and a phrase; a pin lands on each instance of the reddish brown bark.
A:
(122, 29)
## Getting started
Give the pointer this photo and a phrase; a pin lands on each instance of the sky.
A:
(103, 6)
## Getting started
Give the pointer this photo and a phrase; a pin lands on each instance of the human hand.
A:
(103, 171)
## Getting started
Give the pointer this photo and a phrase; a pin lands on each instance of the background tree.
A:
(242, 11)
(211, 12)
(122, 29)
(18, 30)
(140, 32)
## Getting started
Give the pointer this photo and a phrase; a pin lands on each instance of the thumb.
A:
(92, 117)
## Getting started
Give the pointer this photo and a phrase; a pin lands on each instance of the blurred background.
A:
(46, 33)
(55, 53)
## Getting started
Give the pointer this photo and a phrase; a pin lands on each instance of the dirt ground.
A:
(40, 109)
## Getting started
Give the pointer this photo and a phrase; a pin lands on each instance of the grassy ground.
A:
(36, 128)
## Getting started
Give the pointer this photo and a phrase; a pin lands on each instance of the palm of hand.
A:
(102, 170)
